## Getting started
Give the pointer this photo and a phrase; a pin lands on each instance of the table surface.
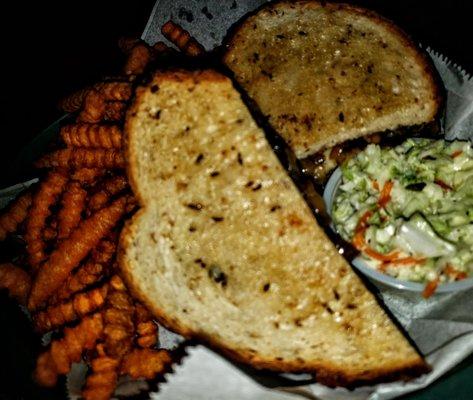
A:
(57, 48)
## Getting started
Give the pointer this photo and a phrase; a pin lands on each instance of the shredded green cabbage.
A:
(428, 213)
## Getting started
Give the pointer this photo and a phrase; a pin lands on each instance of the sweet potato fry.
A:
(16, 281)
(139, 57)
(73, 250)
(93, 103)
(101, 383)
(115, 91)
(50, 232)
(161, 47)
(92, 135)
(109, 188)
(87, 175)
(131, 204)
(89, 273)
(63, 352)
(145, 363)
(15, 214)
(146, 328)
(182, 39)
(73, 203)
(93, 110)
(46, 196)
(73, 102)
(118, 319)
(126, 44)
(83, 158)
(115, 111)
(81, 304)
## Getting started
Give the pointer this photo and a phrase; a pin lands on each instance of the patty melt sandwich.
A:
(224, 249)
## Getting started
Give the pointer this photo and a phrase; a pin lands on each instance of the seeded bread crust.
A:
(276, 64)
(152, 282)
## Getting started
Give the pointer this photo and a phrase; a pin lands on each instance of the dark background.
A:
(50, 49)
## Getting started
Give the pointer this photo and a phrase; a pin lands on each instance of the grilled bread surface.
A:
(224, 249)
(324, 74)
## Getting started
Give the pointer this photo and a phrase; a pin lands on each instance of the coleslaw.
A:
(409, 209)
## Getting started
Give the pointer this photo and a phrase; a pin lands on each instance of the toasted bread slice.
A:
(324, 74)
(224, 248)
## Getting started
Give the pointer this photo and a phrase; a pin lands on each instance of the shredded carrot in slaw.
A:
(442, 184)
(451, 272)
(455, 273)
(456, 153)
(359, 238)
(385, 194)
(430, 288)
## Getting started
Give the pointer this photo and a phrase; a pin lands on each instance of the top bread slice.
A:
(325, 74)
(224, 248)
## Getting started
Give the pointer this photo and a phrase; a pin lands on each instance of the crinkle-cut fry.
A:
(102, 380)
(109, 188)
(145, 363)
(83, 158)
(161, 47)
(115, 91)
(15, 214)
(131, 204)
(16, 281)
(93, 110)
(50, 233)
(81, 304)
(73, 250)
(118, 319)
(126, 44)
(182, 39)
(89, 273)
(74, 101)
(63, 352)
(146, 328)
(87, 175)
(73, 203)
(92, 135)
(115, 111)
(139, 57)
(46, 196)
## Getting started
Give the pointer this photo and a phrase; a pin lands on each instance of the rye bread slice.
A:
(326, 73)
(225, 250)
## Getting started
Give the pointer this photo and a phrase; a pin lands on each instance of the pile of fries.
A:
(70, 223)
